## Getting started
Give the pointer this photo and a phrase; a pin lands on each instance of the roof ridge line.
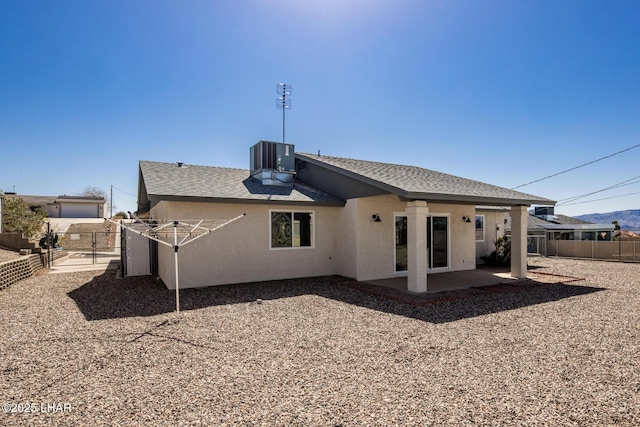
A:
(194, 165)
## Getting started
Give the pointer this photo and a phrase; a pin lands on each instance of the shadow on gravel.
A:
(456, 305)
(106, 297)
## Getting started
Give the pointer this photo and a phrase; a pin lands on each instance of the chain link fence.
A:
(81, 244)
(139, 254)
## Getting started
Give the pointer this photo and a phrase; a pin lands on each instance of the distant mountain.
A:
(628, 220)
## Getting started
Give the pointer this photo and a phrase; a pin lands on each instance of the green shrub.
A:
(17, 217)
(501, 257)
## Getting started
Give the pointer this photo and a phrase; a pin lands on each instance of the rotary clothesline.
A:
(188, 233)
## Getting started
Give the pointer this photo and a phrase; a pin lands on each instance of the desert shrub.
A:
(18, 217)
(501, 257)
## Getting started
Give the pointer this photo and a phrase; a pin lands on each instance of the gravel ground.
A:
(6, 255)
(315, 352)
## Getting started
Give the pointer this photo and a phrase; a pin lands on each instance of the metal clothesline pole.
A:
(176, 245)
(175, 263)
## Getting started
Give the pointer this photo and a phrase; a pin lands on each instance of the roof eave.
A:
(353, 175)
(476, 200)
(171, 198)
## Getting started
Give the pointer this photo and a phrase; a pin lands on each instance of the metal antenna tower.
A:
(284, 101)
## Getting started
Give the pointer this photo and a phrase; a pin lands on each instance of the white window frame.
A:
(293, 212)
(427, 218)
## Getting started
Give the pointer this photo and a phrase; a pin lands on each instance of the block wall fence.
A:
(19, 269)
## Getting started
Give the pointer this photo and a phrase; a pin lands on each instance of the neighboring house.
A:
(314, 215)
(544, 225)
(68, 206)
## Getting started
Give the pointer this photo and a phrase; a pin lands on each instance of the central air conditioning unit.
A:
(545, 212)
(273, 163)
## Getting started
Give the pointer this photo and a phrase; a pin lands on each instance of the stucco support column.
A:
(417, 212)
(519, 217)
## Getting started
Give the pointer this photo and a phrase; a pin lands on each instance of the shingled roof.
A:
(170, 181)
(559, 222)
(414, 182)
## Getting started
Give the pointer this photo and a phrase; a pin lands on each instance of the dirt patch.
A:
(80, 237)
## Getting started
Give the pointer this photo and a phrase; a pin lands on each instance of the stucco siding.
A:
(240, 252)
(461, 236)
(376, 240)
(493, 229)
(347, 242)
(346, 233)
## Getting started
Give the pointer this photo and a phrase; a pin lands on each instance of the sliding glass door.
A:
(401, 243)
(437, 242)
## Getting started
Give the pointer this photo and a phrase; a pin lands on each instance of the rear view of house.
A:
(312, 215)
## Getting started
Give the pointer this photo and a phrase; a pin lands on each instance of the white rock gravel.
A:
(6, 255)
(317, 353)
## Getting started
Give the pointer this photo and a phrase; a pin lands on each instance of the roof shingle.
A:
(208, 182)
(417, 182)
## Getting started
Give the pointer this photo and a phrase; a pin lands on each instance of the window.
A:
(291, 229)
(561, 235)
(604, 235)
(479, 228)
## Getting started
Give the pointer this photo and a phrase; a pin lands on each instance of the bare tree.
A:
(93, 192)
(90, 191)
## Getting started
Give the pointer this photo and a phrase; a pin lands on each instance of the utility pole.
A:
(111, 203)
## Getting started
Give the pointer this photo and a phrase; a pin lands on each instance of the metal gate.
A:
(139, 254)
(81, 248)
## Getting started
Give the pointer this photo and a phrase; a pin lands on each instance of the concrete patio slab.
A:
(79, 261)
(451, 281)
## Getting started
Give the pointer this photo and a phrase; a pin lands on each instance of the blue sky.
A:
(504, 92)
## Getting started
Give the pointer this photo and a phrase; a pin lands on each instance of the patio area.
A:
(453, 281)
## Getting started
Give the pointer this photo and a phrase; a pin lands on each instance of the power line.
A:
(604, 198)
(122, 191)
(578, 167)
(630, 181)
